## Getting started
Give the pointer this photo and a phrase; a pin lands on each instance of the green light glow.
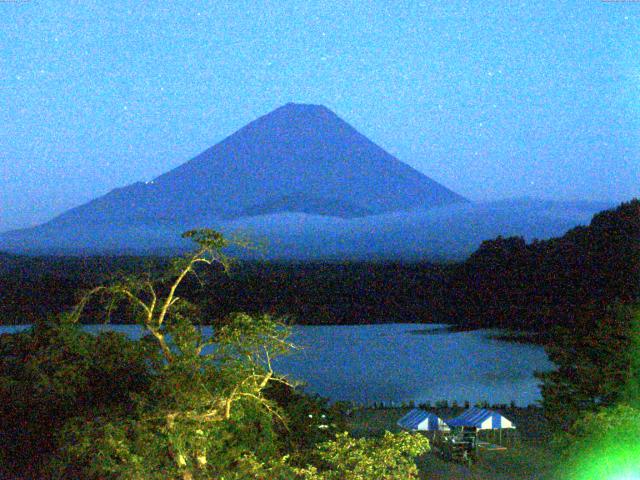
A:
(608, 443)
(617, 462)
(627, 476)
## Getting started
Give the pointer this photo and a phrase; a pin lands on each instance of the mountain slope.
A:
(450, 232)
(295, 152)
(296, 159)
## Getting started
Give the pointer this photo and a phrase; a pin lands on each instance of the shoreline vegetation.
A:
(504, 335)
(525, 289)
(531, 338)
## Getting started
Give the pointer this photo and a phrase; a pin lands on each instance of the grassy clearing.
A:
(527, 457)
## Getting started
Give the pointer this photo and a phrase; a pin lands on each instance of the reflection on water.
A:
(390, 363)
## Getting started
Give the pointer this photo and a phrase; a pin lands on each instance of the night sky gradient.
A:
(493, 99)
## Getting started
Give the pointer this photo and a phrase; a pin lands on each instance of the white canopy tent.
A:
(420, 420)
(481, 419)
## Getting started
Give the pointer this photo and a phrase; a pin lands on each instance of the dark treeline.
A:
(309, 293)
(531, 287)
(35, 288)
(505, 283)
(333, 293)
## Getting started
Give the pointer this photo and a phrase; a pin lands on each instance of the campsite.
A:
(526, 456)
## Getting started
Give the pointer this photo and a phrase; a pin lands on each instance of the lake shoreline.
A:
(512, 336)
(391, 364)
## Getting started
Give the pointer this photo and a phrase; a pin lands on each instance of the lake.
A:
(396, 363)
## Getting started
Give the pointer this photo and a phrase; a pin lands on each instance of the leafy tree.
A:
(204, 407)
(391, 457)
(595, 397)
(310, 419)
(602, 444)
(178, 403)
(596, 365)
(54, 372)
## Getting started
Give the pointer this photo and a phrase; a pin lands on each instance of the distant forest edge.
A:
(505, 283)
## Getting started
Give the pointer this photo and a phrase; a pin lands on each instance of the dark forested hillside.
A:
(509, 283)
(34, 287)
(334, 293)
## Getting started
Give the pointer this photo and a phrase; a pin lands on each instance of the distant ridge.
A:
(438, 234)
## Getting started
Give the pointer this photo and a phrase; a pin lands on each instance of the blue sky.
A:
(493, 99)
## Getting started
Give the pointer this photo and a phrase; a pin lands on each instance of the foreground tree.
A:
(204, 407)
(183, 402)
(601, 444)
(596, 365)
(55, 372)
(389, 457)
(594, 396)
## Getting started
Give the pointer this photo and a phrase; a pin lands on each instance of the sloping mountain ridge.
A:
(308, 185)
(295, 151)
(443, 233)
(309, 204)
(297, 159)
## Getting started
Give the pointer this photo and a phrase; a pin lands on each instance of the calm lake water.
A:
(394, 363)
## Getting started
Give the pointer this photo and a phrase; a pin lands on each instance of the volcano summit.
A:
(307, 185)
(298, 158)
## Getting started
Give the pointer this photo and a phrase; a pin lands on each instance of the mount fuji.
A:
(308, 184)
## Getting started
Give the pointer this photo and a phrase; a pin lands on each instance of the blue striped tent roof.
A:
(481, 419)
(418, 419)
